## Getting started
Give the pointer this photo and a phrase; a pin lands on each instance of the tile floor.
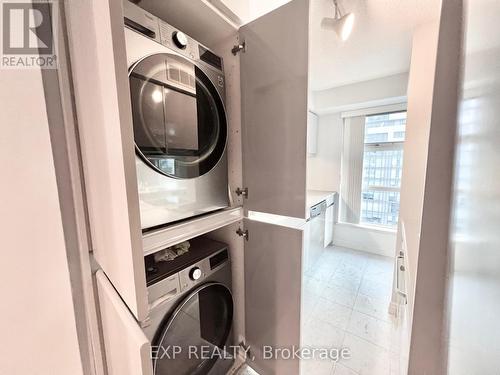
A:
(346, 302)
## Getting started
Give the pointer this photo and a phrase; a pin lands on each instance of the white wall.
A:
(323, 168)
(420, 90)
(370, 240)
(248, 10)
(434, 97)
(474, 278)
(37, 319)
(372, 93)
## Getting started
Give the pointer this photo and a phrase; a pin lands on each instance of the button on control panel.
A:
(178, 41)
(195, 273)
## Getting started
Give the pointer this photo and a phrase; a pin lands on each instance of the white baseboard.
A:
(370, 240)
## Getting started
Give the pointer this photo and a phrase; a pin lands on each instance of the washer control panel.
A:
(197, 272)
(186, 278)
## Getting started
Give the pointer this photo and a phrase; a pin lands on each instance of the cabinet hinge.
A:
(243, 192)
(239, 48)
(242, 233)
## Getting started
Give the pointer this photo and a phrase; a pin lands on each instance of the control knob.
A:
(195, 273)
(180, 39)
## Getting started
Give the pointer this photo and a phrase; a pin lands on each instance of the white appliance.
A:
(180, 129)
(190, 320)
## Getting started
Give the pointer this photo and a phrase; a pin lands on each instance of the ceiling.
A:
(380, 43)
(379, 46)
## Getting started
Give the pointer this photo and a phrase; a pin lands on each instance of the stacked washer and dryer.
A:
(180, 128)
(180, 133)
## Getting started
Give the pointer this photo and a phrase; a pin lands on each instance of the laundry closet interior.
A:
(245, 251)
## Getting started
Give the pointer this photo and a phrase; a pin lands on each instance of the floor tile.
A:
(340, 369)
(371, 329)
(366, 358)
(308, 306)
(378, 290)
(375, 308)
(334, 313)
(316, 367)
(320, 334)
(350, 310)
(332, 256)
(340, 295)
(347, 280)
(313, 286)
(324, 271)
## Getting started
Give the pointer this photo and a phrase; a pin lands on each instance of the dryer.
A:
(191, 311)
(179, 119)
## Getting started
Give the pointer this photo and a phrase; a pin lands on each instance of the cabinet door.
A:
(274, 90)
(273, 266)
(128, 351)
(96, 34)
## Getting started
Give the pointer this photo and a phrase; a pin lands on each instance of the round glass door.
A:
(196, 331)
(179, 120)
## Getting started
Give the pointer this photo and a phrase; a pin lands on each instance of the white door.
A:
(106, 136)
(273, 268)
(274, 90)
(128, 351)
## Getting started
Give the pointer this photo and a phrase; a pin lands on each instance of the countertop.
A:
(314, 197)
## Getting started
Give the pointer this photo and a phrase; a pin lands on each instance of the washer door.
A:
(196, 330)
(180, 127)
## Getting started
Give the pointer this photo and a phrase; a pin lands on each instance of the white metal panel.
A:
(176, 233)
(273, 266)
(97, 51)
(274, 82)
(128, 351)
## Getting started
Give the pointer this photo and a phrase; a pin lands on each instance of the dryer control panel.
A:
(158, 30)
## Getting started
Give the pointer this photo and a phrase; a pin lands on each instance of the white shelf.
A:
(176, 233)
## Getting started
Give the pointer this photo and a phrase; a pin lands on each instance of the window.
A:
(371, 168)
(382, 168)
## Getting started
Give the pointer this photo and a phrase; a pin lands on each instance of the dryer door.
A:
(191, 339)
(179, 119)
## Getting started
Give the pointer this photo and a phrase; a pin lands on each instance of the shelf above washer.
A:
(176, 233)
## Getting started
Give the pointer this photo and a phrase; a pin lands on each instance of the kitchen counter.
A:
(314, 197)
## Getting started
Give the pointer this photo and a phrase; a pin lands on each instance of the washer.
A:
(180, 128)
(191, 311)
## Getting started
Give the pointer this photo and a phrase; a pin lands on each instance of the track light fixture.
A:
(341, 24)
